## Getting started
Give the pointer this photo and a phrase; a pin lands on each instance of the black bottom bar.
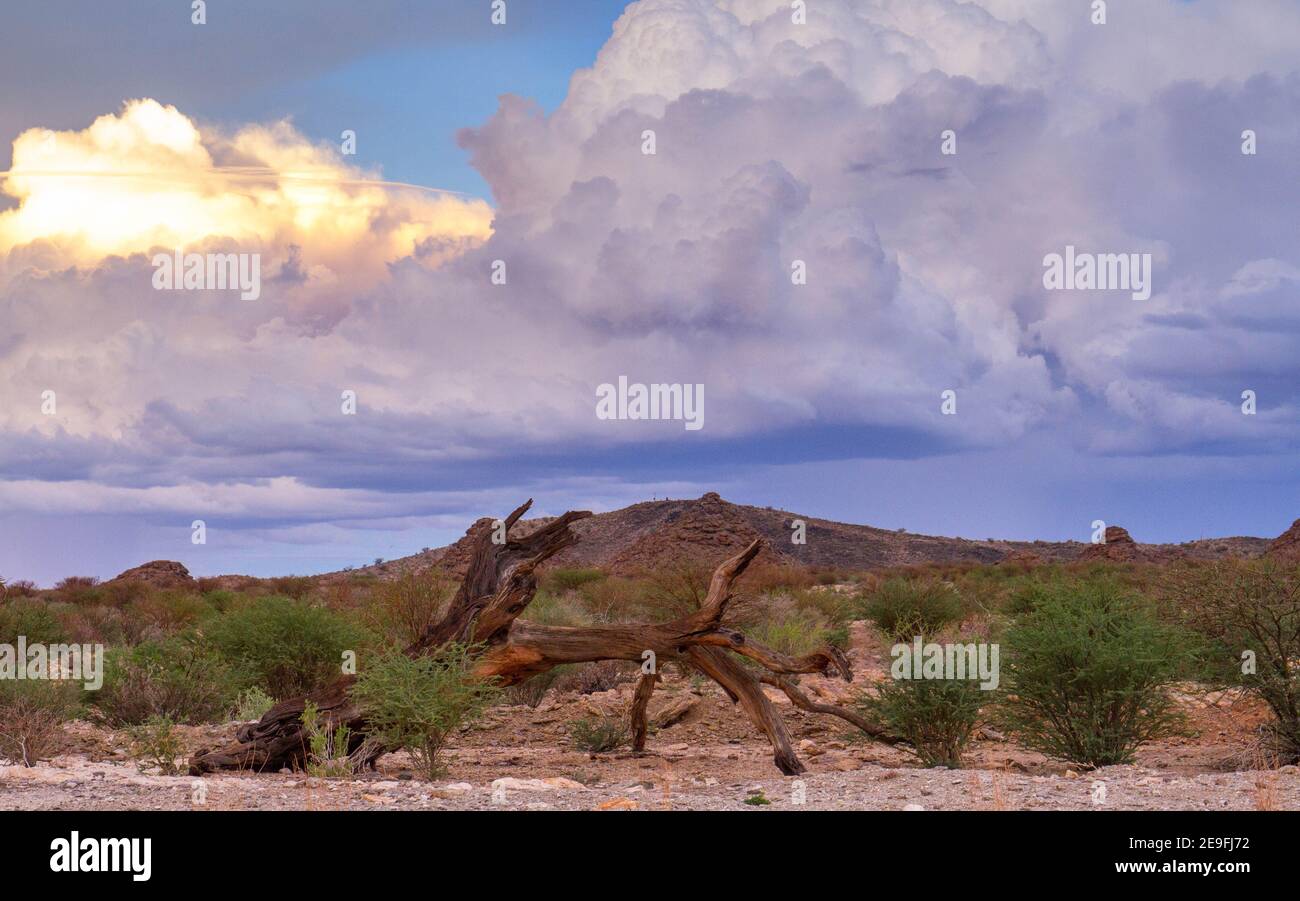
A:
(358, 850)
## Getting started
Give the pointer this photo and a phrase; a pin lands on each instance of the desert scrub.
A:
(252, 704)
(796, 632)
(155, 744)
(550, 609)
(597, 735)
(400, 610)
(532, 691)
(165, 612)
(417, 703)
(599, 675)
(177, 678)
(285, 647)
(571, 579)
(32, 618)
(1249, 615)
(903, 608)
(327, 750)
(32, 714)
(1086, 674)
(935, 716)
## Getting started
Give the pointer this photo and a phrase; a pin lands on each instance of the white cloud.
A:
(776, 143)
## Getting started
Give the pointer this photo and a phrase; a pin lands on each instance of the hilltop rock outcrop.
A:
(159, 574)
(702, 531)
(1120, 547)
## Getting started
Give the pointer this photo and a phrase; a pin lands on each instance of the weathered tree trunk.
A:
(498, 586)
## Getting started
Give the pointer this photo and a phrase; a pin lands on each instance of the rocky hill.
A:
(705, 529)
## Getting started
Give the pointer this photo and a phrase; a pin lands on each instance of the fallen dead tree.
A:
(498, 586)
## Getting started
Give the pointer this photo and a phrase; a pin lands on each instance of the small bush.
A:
(551, 609)
(596, 735)
(32, 618)
(935, 716)
(154, 744)
(572, 579)
(285, 647)
(403, 608)
(96, 625)
(1249, 613)
(589, 678)
(78, 590)
(32, 714)
(673, 591)
(169, 610)
(327, 752)
(19, 588)
(296, 587)
(795, 633)
(416, 703)
(903, 608)
(1086, 674)
(175, 679)
(252, 704)
(532, 691)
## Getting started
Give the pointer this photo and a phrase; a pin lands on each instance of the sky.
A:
(831, 219)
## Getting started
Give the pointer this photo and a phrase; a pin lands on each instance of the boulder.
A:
(1121, 548)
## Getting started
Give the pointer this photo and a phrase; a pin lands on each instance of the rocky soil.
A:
(710, 758)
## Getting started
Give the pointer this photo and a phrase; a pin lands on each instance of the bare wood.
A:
(745, 688)
(803, 702)
(640, 702)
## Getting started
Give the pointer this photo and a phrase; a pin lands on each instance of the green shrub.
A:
(154, 744)
(1086, 674)
(572, 579)
(795, 633)
(176, 679)
(284, 647)
(327, 752)
(903, 608)
(32, 714)
(935, 716)
(416, 703)
(220, 599)
(1249, 614)
(550, 609)
(32, 618)
(252, 704)
(1026, 598)
(596, 735)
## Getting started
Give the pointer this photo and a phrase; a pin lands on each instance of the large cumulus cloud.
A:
(776, 142)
